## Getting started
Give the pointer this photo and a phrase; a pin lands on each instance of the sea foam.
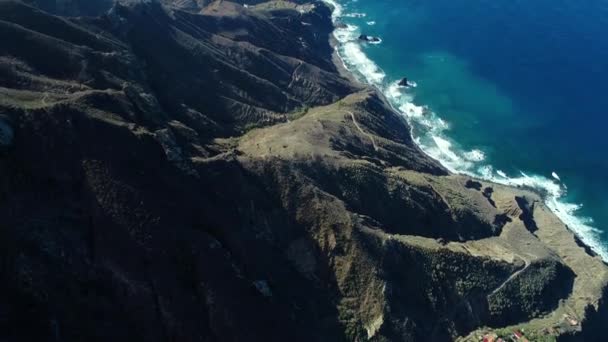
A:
(355, 15)
(556, 176)
(430, 133)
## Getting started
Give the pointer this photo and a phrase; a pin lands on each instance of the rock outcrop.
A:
(369, 39)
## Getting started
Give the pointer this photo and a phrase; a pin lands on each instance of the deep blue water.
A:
(522, 81)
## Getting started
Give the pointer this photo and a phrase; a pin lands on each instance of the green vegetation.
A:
(251, 126)
(298, 113)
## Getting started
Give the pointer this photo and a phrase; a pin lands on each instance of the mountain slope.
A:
(204, 171)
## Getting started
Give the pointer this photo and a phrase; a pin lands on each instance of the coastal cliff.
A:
(203, 170)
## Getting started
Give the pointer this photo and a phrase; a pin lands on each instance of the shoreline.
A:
(555, 236)
(345, 72)
(550, 197)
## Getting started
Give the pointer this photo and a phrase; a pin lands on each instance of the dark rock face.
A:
(501, 220)
(403, 82)
(527, 216)
(582, 245)
(487, 193)
(471, 184)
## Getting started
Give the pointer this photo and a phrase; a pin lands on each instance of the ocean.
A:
(511, 91)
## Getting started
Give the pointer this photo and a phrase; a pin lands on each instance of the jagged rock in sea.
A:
(370, 39)
(204, 171)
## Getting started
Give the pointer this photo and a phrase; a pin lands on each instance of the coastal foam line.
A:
(429, 132)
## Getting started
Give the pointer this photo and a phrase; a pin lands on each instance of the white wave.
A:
(411, 110)
(375, 42)
(337, 12)
(353, 56)
(433, 140)
(371, 23)
(358, 60)
(475, 155)
(554, 175)
(441, 125)
(346, 34)
(445, 148)
(398, 94)
(355, 15)
(566, 212)
(454, 159)
(393, 91)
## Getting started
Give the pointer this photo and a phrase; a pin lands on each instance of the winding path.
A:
(294, 75)
(515, 274)
(362, 131)
(44, 97)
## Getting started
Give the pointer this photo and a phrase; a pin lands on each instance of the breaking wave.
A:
(355, 15)
(429, 132)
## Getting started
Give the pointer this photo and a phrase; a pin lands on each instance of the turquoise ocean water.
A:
(511, 91)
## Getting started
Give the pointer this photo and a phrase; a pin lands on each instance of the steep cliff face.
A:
(199, 171)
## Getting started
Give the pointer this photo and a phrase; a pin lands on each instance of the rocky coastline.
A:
(209, 171)
(595, 316)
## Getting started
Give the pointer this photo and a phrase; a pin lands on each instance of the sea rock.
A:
(403, 82)
(369, 39)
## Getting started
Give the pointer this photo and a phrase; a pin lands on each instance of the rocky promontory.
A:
(187, 170)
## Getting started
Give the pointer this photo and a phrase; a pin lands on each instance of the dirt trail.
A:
(44, 97)
(294, 75)
(362, 131)
(515, 274)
